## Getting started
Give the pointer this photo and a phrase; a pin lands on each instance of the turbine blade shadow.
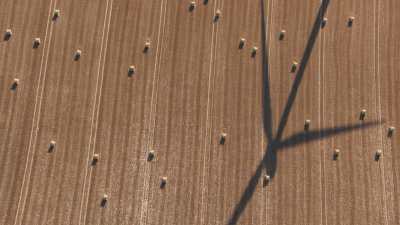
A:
(267, 109)
(313, 135)
(303, 64)
(269, 160)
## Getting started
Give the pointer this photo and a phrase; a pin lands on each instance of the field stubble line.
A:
(150, 127)
(321, 102)
(208, 112)
(377, 9)
(36, 117)
(96, 107)
(268, 19)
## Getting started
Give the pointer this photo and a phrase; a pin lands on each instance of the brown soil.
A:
(193, 84)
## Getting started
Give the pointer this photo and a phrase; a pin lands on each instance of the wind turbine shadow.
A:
(269, 161)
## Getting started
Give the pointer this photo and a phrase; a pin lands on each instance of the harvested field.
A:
(199, 112)
(26, 20)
